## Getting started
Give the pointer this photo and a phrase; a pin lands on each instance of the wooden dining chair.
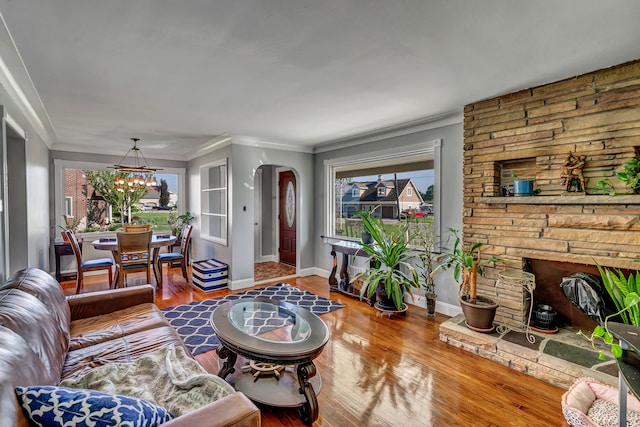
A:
(134, 254)
(137, 227)
(182, 256)
(89, 265)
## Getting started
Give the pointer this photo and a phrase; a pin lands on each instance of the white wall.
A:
(243, 160)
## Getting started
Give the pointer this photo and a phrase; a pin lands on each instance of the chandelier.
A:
(137, 176)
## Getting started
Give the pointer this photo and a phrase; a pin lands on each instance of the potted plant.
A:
(522, 187)
(424, 239)
(177, 222)
(631, 175)
(479, 311)
(70, 223)
(624, 292)
(388, 253)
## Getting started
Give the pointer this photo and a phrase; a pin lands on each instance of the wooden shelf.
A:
(627, 199)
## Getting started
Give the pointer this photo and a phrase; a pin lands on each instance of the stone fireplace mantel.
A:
(591, 199)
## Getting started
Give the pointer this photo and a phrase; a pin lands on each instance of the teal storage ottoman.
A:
(210, 275)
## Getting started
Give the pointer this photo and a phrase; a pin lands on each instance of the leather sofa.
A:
(46, 337)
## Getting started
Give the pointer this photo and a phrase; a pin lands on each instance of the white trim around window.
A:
(429, 150)
(59, 165)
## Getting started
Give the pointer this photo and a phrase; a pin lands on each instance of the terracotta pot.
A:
(480, 315)
(64, 237)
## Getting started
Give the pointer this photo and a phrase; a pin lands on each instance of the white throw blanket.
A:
(167, 377)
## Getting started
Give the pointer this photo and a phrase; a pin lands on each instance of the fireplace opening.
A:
(549, 276)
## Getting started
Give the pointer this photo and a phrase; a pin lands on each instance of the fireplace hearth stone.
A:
(558, 358)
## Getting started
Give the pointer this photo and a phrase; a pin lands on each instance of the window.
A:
(68, 206)
(355, 192)
(213, 185)
(379, 175)
(76, 197)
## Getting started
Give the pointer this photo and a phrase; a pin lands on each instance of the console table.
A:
(61, 249)
(347, 248)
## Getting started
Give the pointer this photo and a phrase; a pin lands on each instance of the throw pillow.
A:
(50, 406)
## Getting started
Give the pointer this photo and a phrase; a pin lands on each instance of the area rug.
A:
(191, 321)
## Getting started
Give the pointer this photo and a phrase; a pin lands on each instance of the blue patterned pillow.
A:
(50, 406)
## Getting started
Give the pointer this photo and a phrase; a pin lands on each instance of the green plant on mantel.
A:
(631, 175)
(624, 291)
(605, 186)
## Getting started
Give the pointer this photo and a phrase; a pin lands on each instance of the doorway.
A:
(13, 192)
(268, 265)
(287, 217)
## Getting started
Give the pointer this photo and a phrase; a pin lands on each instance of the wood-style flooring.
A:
(393, 372)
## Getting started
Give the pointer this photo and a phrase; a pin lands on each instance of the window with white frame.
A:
(75, 197)
(383, 175)
(213, 182)
(355, 192)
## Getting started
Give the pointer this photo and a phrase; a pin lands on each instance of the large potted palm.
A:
(390, 273)
(479, 311)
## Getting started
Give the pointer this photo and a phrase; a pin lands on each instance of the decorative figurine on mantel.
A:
(572, 173)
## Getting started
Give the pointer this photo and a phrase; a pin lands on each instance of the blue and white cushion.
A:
(50, 406)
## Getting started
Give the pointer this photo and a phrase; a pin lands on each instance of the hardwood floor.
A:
(394, 372)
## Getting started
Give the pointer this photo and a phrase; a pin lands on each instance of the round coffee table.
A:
(265, 332)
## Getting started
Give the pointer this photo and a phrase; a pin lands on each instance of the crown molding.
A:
(15, 79)
(215, 143)
(392, 131)
(255, 142)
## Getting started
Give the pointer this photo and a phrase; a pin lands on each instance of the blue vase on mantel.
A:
(523, 187)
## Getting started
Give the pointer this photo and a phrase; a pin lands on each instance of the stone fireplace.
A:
(530, 133)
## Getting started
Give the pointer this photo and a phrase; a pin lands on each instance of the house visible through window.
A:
(390, 184)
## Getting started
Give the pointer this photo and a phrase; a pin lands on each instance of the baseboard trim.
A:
(304, 272)
(317, 271)
(441, 307)
(234, 285)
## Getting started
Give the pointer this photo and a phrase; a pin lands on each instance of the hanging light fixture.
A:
(136, 176)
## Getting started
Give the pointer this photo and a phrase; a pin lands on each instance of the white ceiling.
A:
(298, 72)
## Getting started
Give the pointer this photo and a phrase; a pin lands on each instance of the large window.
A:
(393, 185)
(80, 203)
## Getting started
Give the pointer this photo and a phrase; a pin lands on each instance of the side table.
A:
(61, 249)
(517, 284)
(628, 365)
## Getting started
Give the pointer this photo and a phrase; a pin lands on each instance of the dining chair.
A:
(89, 265)
(134, 254)
(182, 256)
(137, 227)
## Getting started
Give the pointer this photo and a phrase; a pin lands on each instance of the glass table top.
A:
(268, 322)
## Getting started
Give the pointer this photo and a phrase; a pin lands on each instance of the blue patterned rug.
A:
(191, 321)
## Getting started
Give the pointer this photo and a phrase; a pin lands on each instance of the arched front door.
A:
(288, 214)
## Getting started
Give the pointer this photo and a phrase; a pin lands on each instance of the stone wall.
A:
(530, 133)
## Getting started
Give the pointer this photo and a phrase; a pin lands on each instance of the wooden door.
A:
(287, 219)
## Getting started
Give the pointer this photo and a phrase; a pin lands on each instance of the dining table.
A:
(157, 242)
